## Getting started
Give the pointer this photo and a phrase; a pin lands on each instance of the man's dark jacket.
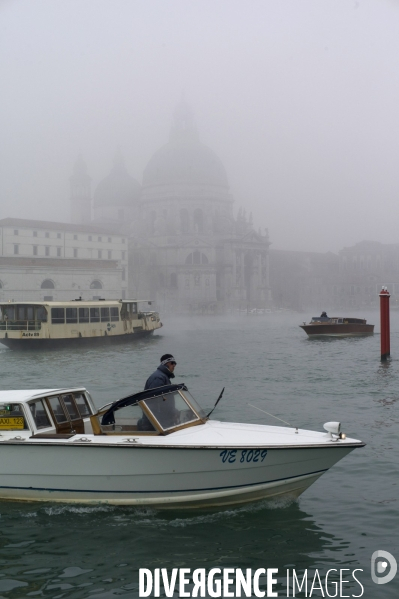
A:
(159, 378)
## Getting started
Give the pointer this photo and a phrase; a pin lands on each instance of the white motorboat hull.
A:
(165, 477)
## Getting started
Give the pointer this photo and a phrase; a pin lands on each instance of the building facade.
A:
(174, 239)
(43, 260)
(116, 198)
(349, 280)
(304, 280)
(187, 250)
(364, 268)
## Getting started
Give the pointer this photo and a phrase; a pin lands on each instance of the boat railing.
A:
(20, 325)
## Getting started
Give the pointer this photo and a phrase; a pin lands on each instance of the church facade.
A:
(187, 250)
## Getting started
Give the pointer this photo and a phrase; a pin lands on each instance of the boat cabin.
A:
(53, 412)
(64, 413)
(337, 320)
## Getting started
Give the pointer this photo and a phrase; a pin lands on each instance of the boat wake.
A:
(127, 516)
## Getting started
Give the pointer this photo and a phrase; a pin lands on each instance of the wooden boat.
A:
(157, 448)
(337, 326)
(34, 325)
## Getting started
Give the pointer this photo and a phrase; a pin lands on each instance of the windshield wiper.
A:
(217, 401)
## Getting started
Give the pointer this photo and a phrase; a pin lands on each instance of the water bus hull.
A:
(73, 342)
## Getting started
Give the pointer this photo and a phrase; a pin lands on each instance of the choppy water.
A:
(353, 510)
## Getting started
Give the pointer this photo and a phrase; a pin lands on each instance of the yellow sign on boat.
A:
(11, 424)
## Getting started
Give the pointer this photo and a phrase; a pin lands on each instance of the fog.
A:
(298, 99)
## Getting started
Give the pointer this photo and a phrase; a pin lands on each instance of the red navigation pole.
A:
(384, 318)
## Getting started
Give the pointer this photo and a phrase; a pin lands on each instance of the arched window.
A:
(96, 284)
(197, 257)
(198, 220)
(47, 284)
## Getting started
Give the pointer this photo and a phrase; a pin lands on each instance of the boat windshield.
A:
(171, 410)
(201, 413)
(152, 411)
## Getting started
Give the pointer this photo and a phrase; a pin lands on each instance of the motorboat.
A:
(155, 448)
(337, 326)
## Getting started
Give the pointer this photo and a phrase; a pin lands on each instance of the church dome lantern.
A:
(185, 160)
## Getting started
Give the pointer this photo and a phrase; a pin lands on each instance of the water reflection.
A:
(76, 547)
(262, 361)
(387, 401)
(343, 340)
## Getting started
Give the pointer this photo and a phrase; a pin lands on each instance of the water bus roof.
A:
(74, 302)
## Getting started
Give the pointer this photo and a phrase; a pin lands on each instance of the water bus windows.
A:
(84, 315)
(57, 315)
(41, 313)
(104, 312)
(94, 314)
(71, 315)
(12, 418)
(39, 414)
(20, 317)
(129, 310)
(114, 314)
(170, 411)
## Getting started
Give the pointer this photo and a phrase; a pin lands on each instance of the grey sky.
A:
(300, 100)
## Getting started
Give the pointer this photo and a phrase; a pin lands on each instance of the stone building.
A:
(174, 239)
(116, 198)
(304, 280)
(42, 260)
(363, 269)
(349, 280)
(80, 193)
(187, 250)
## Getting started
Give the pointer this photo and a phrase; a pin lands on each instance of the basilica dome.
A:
(118, 188)
(184, 159)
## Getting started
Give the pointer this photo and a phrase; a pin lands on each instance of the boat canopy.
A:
(132, 400)
(163, 409)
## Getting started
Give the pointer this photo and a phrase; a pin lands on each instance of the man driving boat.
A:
(161, 377)
(163, 373)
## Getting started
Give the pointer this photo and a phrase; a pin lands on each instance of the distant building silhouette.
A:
(187, 251)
